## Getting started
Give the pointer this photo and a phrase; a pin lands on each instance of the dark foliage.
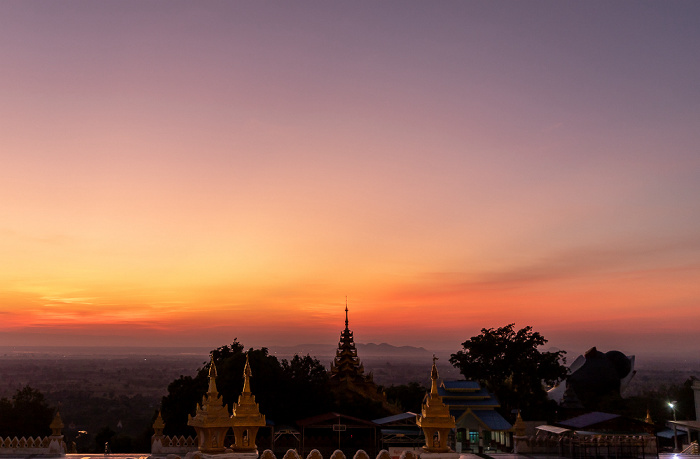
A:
(408, 397)
(102, 440)
(27, 414)
(511, 366)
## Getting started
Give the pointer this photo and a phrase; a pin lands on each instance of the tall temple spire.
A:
(346, 365)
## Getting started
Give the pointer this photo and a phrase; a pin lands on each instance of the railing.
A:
(51, 445)
(337, 454)
(165, 444)
(692, 449)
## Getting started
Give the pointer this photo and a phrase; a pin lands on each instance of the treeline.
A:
(286, 390)
(26, 414)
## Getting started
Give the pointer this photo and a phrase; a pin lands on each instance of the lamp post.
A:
(672, 405)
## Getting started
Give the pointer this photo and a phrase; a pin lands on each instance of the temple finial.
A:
(346, 311)
(246, 375)
(434, 377)
(212, 378)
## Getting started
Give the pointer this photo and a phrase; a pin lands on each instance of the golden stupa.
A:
(519, 427)
(56, 425)
(246, 416)
(212, 421)
(435, 418)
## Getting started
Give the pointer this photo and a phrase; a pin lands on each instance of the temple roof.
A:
(491, 419)
(346, 364)
(461, 386)
(396, 418)
(455, 395)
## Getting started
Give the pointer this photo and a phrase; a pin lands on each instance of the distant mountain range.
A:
(371, 350)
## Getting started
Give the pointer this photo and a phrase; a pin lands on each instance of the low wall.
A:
(45, 446)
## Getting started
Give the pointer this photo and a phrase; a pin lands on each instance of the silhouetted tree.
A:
(510, 364)
(305, 390)
(103, 437)
(407, 396)
(286, 390)
(28, 414)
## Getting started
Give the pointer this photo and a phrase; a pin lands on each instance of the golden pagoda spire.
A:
(519, 426)
(246, 375)
(434, 378)
(158, 424)
(212, 379)
(648, 419)
(346, 312)
(211, 421)
(246, 418)
(56, 425)
(435, 417)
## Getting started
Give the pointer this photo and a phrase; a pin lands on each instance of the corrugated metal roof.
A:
(395, 418)
(553, 429)
(588, 419)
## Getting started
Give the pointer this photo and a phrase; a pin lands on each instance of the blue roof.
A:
(394, 418)
(490, 418)
(449, 393)
(467, 403)
(588, 419)
(669, 433)
(461, 385)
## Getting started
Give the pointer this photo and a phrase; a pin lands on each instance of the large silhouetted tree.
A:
(511, 365)
(27, 414)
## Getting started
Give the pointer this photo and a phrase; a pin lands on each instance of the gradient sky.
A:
(183, 173)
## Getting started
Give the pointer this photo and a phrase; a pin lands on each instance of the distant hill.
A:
(388, 350)
(368, 350)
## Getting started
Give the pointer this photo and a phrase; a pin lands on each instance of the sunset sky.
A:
(184, 173)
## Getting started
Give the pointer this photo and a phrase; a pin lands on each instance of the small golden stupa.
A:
(212, 421)
(648, 419)
(519, 427)
(56, 425)
(158, 424)
(435, 418)
(246, 416)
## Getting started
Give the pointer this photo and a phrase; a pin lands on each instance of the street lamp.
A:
(672, 405)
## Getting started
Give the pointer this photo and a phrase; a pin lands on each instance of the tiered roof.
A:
(346, 364)
(472, 405)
